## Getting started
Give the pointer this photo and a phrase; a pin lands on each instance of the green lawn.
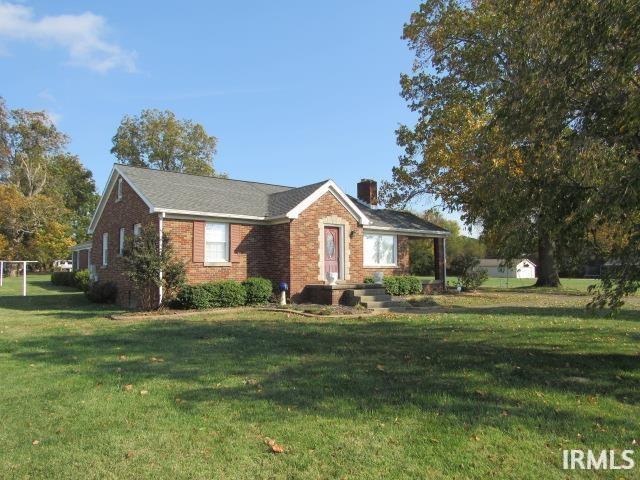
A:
(568, 284)
(479, 392)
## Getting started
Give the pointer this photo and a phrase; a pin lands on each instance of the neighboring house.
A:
(496, 267)
(80, 256)
(231, 229)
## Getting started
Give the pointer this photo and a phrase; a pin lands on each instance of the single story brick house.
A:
(222, 229)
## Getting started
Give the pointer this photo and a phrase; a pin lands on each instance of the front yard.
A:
(495, 386)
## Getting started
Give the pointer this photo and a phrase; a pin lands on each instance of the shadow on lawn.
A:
(321, 366)
(581, 313)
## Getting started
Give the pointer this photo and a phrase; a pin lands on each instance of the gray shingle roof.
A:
(179, 191)
(382, 217)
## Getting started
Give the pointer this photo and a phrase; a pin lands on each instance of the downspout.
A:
(160, 229)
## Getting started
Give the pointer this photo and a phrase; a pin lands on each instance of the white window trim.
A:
(218, 261)
(105, 249)
(121, 241)
(381, 265)
(119, 190)
(137, 229)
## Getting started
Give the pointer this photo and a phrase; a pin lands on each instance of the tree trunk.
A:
(12, 269)
(547, 270)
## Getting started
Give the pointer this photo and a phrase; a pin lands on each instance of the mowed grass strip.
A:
(474, 393)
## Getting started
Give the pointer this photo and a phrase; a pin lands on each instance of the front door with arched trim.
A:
(332, 250)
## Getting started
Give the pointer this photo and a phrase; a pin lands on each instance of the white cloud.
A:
(82, 35)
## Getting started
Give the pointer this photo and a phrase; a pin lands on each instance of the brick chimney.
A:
(368, 191)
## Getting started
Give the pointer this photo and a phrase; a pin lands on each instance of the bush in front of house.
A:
(63, 279)
(193, 296)
(472, 279)
(369, 280)
(102, 292)
(258, 290)
(471, 275)
(402, 285)
(227, 293)
(79, 279)
(149, 263)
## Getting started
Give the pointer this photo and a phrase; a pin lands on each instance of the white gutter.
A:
(172, 211)
(160, 229)
(411, 231)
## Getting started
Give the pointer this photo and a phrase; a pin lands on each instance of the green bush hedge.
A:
(79, 279)
(102, 292)
(63, 279)
(227, 293)
(193, 296)
(258, 290)
(402, 285)
(473, 279)
(369, 280)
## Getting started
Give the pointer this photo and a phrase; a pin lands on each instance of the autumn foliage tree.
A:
(46, 195)
(527, 122)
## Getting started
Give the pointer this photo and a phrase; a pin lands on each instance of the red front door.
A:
(332, 250)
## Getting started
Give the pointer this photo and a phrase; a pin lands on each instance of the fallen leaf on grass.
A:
(35, 442)
(275, 448)
(380, 367)
(122, 357)
(128, 387)
(144, 392)
(129, 454)
(157, 359)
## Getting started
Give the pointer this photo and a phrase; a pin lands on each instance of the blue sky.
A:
(294, 91)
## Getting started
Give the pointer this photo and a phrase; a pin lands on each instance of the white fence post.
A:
(24, 279)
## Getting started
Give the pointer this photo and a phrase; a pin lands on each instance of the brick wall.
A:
(305, 244)
(256, 251)
(124, 213)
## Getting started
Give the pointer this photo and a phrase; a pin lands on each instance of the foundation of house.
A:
(348, 293)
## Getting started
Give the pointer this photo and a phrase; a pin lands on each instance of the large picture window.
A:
(216, 242)
(379, 250)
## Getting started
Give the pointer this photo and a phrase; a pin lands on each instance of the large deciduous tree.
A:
(528, 122)
(157, 139)
(46, 195)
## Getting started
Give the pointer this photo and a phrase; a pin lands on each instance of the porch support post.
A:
(1, 272)
(439, 259)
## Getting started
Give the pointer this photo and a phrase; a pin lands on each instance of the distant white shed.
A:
(496, 267)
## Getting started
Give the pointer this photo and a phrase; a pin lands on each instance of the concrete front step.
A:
(381, 297)
(386, 304)
(369, 291)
